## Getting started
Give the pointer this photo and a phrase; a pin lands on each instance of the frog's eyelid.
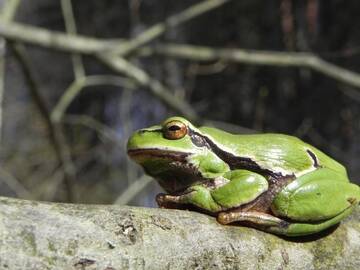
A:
(150, 130)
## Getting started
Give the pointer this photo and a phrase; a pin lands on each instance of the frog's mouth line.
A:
(145, 153)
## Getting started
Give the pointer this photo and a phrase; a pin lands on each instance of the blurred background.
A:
(78, 77)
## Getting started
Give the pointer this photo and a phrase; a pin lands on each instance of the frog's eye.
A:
(174, 130)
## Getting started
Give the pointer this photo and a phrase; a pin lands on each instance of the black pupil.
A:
(174, 128)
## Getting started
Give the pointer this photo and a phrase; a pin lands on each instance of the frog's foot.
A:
(258, 218)
(167, 201)
(276, 225)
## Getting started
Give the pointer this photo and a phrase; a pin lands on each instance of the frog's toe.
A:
(225, 218)
(160, 200)
(353, 200)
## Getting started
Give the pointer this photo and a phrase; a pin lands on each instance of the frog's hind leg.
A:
(315, 201)
(297, 229)
(270, 223)
(311, 203)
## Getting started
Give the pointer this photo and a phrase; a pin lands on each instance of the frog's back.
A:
(279, 152)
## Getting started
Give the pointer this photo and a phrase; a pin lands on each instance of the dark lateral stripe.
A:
(233, 161)
(313, 157)
(198, 140)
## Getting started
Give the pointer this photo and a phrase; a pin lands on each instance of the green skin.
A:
(273, 182)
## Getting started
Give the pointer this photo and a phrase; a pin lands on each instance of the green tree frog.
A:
(273, 182)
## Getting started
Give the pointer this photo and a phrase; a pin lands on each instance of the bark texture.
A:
(39, 235)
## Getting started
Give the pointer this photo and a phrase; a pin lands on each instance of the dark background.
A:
(293, 100)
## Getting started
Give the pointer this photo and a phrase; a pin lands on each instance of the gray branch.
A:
(261, 58)
(92, 46)
(53, 39)
(38, 235)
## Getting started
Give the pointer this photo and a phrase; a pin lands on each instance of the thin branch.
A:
(153, 32)
(70, 26)
(267, 58)
(131, 191)
(127, 128)
(92, 123)
(57, 138)
(2, 84)
(54, 39)
(76, 87)
(7, 14)
(172, 21)
(15, 185)
(123, 66)
(49, 187)
(9, 10)
(157, 88)
(85, 45)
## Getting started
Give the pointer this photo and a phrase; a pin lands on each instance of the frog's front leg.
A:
(237, 188)
(197, 195)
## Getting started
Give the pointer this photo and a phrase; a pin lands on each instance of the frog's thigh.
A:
(244, 186)
(315, 196)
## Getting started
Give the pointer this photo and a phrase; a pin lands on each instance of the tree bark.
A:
(40, 235)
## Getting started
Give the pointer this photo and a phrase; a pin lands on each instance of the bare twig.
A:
(9, 10)
(92, 123)
(14, 184)
(64, 42)
(48, 189)
(7, 14)
(267, 58)
(351, 93)
(53, 39)
(84, 45)
(123, 66)
(57, 138)
(75, 88)
(2, 83)
(131, 191)
(70, 26)
(207, 69)
(172, 21)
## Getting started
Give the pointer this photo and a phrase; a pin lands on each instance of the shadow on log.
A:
(39, 235)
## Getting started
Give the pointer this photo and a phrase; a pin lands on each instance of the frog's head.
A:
(175, 153)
